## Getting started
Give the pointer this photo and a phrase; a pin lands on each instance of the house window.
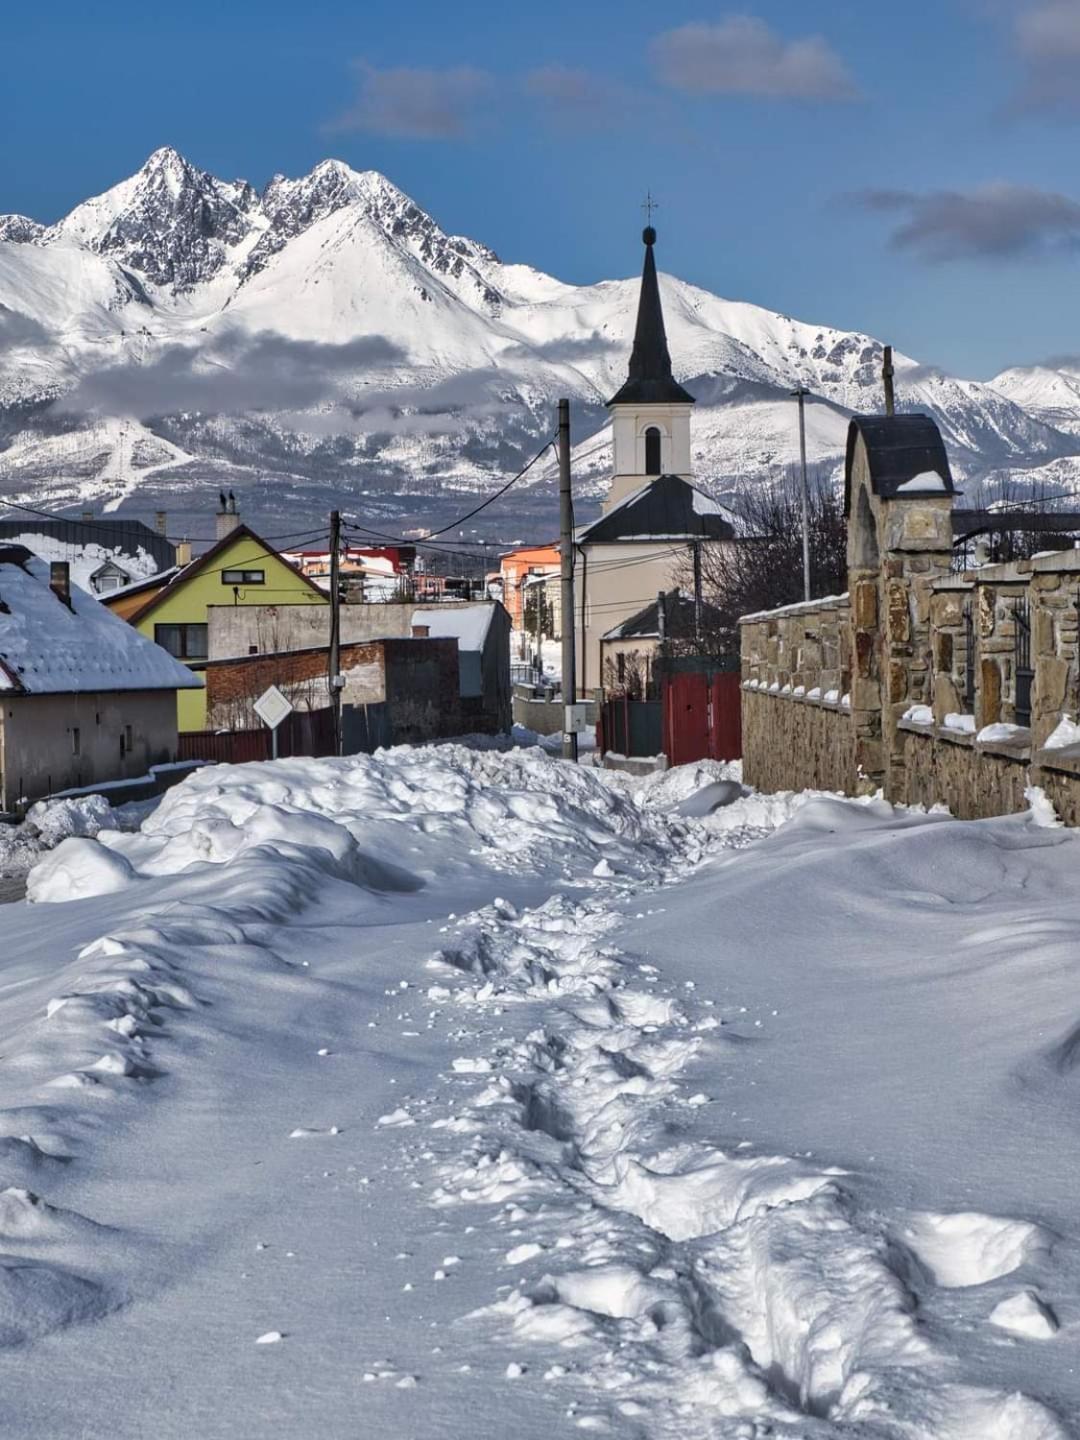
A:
(109, 581)
(243, 577)
(76, 743)
(186, 642)
(652, 451)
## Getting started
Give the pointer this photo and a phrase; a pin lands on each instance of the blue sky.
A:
(906, 171)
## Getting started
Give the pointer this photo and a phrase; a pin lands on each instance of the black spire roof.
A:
(650, 381)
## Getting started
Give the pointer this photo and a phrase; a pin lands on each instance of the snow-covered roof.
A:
(87, 545)
(668, 508)
(467, 624)
(48, 649)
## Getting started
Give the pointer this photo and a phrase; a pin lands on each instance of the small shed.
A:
(482, 632)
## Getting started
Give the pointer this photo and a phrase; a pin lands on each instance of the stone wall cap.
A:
(1067, 759)
(1068, 560)
(964, 583)
(802, 607)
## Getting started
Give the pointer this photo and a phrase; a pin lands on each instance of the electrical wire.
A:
(453, 525)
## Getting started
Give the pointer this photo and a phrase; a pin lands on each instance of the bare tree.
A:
(763, 568)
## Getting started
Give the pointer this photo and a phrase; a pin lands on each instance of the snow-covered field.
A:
(466, 1093)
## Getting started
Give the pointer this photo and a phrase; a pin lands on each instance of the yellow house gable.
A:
(241, 569)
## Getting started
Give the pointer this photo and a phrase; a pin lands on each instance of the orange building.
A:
(516, 568)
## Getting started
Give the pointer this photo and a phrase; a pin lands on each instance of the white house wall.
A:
(628, 425)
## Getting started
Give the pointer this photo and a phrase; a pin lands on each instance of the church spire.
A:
(650, 381)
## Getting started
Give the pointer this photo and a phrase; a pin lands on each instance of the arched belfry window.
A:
(652, 451)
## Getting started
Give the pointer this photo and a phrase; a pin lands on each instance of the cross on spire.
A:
(649, 206)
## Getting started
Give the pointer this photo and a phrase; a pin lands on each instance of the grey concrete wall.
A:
(243, 630)
(37, 740)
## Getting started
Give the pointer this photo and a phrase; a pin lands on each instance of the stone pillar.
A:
(898, 545)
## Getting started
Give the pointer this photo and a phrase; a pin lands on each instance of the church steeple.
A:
(651, 413)
(650, 381)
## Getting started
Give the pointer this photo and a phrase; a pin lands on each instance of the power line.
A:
(496, 495)
(109, 527)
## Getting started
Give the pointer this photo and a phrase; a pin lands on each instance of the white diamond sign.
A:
(272, 707)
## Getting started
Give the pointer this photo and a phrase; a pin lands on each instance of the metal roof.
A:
(898, 449)
(966, 523)
(650, 381)
(668, 508)
(123, 537)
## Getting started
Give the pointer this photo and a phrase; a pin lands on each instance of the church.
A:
(654, 520)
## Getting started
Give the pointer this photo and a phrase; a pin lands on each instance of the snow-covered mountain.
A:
(325, 342)
(1051, 394)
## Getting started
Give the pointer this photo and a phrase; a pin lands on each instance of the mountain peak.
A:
(20, 229)
(166, 157)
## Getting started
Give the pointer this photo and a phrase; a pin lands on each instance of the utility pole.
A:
(887, 373)
(566, 555)
(697, 589)
(335, 628)
(800, 393)
(538, 618)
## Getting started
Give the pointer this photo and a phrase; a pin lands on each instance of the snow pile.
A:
(383, 821)
(1067, 732)
(962, 724)
(1000, 731)
(51, 821)
(920, 714)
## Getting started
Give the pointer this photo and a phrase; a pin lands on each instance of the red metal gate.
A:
(702, 716)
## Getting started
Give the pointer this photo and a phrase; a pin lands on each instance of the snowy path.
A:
(542, 1165)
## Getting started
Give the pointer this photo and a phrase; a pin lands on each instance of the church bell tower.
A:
(651, 413)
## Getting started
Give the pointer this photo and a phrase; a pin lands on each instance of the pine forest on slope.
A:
(325, 342)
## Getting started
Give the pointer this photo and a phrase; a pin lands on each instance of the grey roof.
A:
(678, 619)
(898, 448)
(123, 537)
(650, 381)
(667, 508)
(966, 523)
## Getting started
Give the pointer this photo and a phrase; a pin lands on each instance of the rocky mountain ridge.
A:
(324, 340)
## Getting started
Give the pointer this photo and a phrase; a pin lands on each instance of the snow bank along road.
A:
(468, 1094)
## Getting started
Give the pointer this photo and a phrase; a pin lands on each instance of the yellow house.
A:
(170, 608)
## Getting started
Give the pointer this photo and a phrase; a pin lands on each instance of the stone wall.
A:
(970, 780)
(796, 744)
(796, 678)
(931, 686)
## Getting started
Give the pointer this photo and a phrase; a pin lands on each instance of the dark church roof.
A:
(650, 381)
(668, 508)
(899, 449)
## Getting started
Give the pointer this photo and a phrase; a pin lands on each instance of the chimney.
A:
(228, 517)
(183, 552)
(421, 632)
(160, 517)
(60, 581)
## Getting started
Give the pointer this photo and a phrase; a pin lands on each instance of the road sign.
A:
(272, 708)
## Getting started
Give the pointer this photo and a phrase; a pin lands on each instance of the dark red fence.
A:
(305, 732)
(702, 716)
